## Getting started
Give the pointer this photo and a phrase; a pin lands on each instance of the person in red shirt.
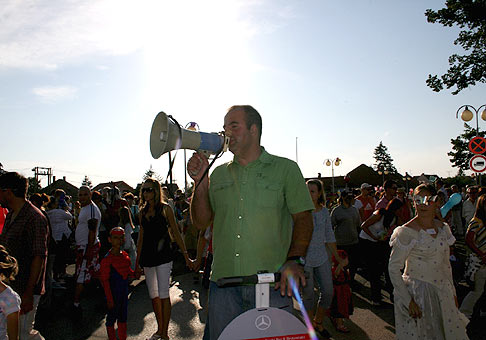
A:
(114, 272)
(366, 204)
(3, 215)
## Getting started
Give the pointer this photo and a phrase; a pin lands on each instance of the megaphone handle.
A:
(206, 172)
(226, 143)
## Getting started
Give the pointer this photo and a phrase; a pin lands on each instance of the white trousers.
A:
(467, 305)
(157, 280)
(26, 323)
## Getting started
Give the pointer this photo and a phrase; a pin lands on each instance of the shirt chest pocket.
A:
(269, 194)
(222, 193)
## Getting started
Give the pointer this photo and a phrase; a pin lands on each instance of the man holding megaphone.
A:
(252, 202)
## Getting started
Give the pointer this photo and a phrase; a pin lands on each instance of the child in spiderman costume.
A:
(114, 272)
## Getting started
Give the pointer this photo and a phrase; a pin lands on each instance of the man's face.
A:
(392, 191)
(235, 128)
(473, 193)
(84, 197)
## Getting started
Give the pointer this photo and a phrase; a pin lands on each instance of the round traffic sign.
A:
(477, 163)
(477, 145)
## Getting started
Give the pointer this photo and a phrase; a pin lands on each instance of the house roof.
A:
(120, 184)
(68, 188)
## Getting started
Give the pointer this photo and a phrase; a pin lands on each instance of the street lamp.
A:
(331, 162)
(383, 173)
(467, 115)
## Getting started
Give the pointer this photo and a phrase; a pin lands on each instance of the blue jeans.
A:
(225, 304)
(322, 276)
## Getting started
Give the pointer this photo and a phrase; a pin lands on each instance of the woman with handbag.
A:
(155, 253)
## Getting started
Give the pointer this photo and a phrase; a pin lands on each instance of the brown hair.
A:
(320, 188)
(95, 195)
(129, 195)
(159, 197)
(480, 210)
(425, 187)
(15, 182)
(8, 265)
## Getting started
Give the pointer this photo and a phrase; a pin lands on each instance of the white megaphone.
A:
(168, 135)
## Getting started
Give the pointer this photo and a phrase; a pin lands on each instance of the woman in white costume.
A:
(425, 297)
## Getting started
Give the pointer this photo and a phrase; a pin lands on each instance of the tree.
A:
(465, 70)
(34, 186)
(460, 154)
(150, 173)
(383, 159)
(87, 182)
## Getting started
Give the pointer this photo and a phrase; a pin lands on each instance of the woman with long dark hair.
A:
(155, 253)
(376, 231)
(425, 297)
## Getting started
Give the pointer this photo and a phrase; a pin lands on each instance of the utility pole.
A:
(40, 171)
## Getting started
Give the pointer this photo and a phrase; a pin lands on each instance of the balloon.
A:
(455, 199)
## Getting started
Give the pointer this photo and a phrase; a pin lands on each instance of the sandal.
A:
(339, 327)
(155, 337)
(322, 332)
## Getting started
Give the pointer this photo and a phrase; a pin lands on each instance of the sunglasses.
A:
(147, 190)
(424, 199)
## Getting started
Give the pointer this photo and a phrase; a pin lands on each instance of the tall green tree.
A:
(34, 186)
(150, 173)
(460, 154)
(383, 159)
(464, 70)
(87, 182)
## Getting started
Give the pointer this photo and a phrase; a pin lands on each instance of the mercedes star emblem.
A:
(263, 322)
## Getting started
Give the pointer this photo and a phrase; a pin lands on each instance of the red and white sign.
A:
(477, 145)
(477, 163)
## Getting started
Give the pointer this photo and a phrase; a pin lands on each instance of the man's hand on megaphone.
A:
(197, 165)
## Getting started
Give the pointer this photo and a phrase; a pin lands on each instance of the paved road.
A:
(188, 315)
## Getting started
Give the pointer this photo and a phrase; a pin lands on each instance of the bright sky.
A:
(82, 81)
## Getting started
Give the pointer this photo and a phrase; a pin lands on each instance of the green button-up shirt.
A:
(252, 207)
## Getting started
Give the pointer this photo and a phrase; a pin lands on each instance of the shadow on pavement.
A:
(57, 322)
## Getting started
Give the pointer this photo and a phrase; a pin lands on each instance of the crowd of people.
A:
(254, 213)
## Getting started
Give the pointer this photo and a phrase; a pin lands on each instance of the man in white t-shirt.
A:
(87, 245)
(469, 205)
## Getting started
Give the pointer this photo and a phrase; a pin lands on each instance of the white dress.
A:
(428, 279)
